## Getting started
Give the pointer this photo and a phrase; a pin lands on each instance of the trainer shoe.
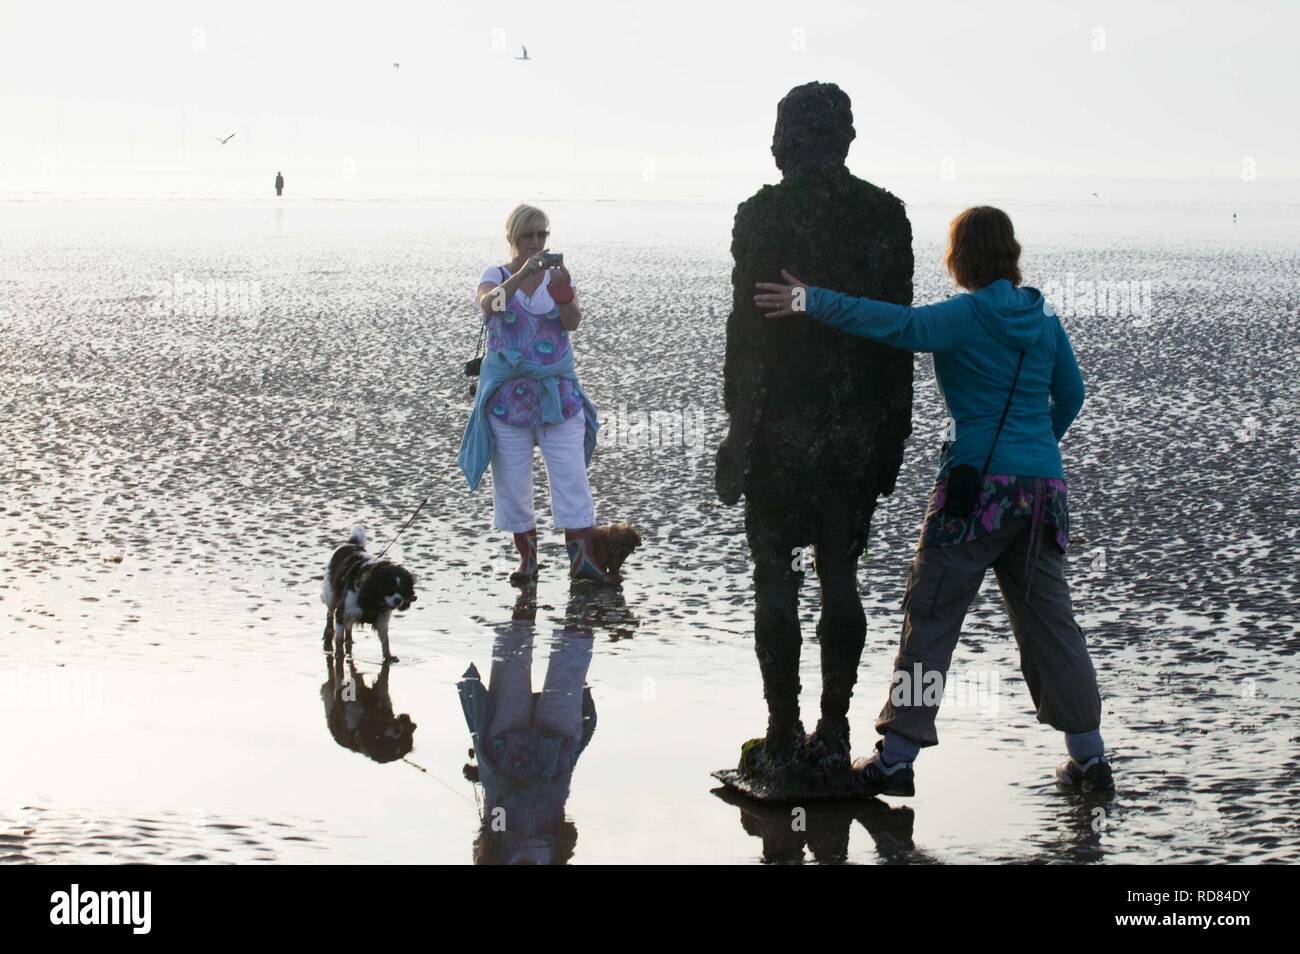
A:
(877, 778)
(1093, 775)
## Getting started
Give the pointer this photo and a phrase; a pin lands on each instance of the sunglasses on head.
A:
(540, 236)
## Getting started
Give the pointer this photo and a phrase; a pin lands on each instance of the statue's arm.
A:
(898, 271)
(742, 366)
(896, 280)
(742, 370)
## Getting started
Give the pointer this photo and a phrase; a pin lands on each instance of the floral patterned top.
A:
(1042, 499)
(530, 325)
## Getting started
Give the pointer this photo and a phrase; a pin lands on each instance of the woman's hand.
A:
(570, 314)
(532, 265)
(782, 301)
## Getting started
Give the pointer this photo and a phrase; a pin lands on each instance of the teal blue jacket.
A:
(499, 366)
(976, 338)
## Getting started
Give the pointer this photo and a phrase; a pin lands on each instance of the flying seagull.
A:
(224, 141)
(525, 56)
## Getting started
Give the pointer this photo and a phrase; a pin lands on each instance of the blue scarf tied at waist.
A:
(498, 367)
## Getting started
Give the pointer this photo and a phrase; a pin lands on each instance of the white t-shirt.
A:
(540, 303)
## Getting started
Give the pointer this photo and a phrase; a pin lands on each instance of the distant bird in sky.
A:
(224, 141)
(525, 56)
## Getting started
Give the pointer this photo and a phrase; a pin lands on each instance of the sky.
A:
(634, 100)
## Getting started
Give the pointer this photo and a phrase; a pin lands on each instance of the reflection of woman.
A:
(1000, 354)
(529, 395)
(527, 744)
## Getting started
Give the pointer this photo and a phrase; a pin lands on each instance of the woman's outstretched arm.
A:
(940, 327)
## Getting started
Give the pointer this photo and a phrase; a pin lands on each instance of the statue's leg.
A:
(842, 631)
(828, 836)
(776, 634)
(842, 628)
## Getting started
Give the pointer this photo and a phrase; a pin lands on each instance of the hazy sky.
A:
(634, 99)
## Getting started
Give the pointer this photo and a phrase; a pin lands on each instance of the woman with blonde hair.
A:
(529, 395)
(1007, 374)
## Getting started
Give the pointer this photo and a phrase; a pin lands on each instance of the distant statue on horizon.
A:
(817, 424)
(279, 184)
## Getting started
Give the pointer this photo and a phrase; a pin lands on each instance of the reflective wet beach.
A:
(176, 474)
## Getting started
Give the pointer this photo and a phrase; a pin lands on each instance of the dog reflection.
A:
(360, 717)
(527, 743)
(600, 611)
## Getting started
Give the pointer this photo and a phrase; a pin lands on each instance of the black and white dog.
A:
(360, 588)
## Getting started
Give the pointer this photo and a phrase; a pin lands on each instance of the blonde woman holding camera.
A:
(529, 395)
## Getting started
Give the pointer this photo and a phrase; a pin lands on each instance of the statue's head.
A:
(814, 126)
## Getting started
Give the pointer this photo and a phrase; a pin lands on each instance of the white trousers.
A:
(559, 709)
(566, 470)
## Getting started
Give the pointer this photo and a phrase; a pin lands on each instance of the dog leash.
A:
(404, 526)
(459, 794)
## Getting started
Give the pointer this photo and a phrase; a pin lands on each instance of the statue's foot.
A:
(782, 746)
(785, 740)
(753, 760)
(826, 757)
(829, 744)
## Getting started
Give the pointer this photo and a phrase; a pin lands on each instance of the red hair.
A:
(982, 248)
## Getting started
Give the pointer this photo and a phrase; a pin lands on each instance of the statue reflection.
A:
(527, 743)
(822, 829)
(360, 717)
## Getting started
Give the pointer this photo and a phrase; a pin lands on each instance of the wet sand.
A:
(175, 478)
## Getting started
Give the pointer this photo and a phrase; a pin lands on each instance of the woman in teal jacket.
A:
(1008, 377)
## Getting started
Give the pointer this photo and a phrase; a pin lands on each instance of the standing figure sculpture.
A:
(817, 425)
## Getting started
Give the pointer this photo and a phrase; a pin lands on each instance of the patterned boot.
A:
(526, 544)
(581, 565)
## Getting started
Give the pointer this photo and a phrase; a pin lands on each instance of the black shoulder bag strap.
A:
(474, 365)
(1006, 407)
(482, 325)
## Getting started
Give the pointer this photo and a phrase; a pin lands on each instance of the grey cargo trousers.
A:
(1053, 655)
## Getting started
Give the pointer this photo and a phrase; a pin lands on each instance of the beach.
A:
(201, 401)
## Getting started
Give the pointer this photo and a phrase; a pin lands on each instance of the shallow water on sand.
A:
(175, 478)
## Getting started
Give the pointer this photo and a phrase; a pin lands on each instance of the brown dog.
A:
(612, 545)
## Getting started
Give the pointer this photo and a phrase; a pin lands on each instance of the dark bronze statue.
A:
(817, 423)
